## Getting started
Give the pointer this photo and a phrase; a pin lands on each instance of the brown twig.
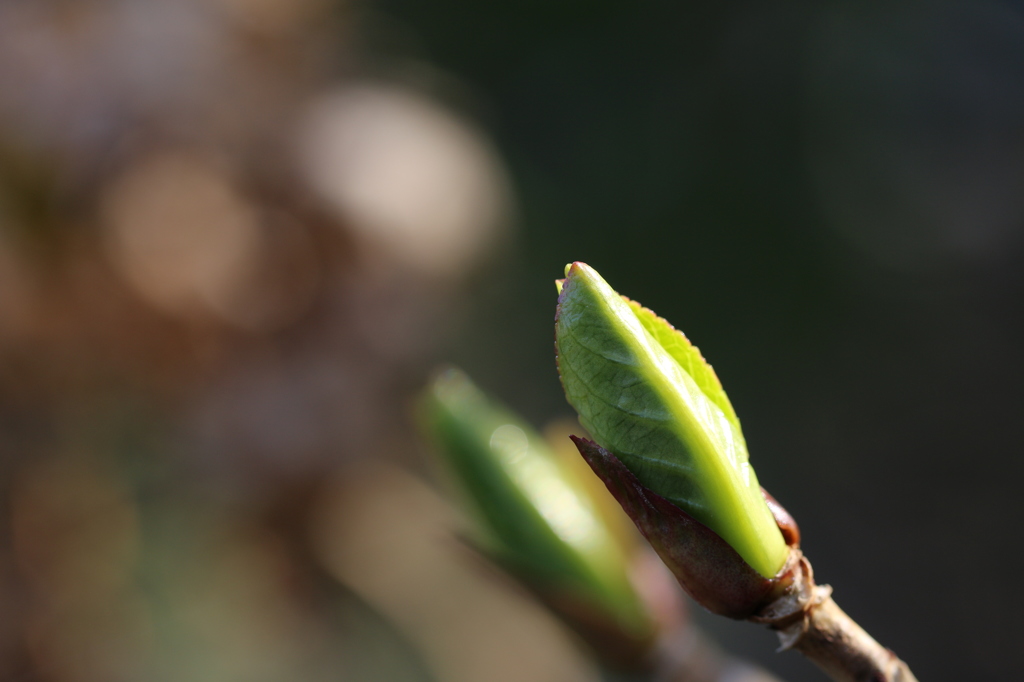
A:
(807, 620)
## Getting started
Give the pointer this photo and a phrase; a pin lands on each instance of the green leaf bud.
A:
(647, 395)
(531, 512)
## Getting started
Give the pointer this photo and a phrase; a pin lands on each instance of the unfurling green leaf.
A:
(646, 394)
(531, 511)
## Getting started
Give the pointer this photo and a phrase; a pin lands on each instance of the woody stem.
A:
(840, 647)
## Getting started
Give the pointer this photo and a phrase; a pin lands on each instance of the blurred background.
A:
(236, 237)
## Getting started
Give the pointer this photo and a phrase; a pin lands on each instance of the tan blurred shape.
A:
(390, 539)
(417, 185)
(186, 239)
(180, 232)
